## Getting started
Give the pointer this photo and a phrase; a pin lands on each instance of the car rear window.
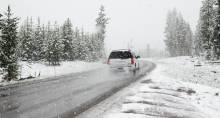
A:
(120, 55)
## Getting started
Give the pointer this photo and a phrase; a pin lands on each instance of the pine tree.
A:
(44, 40)
(91, 53)
(1, 24)
(38, 42)
(56, 46)
(26, 37)
(216, 33)
(48, 43)
(101, 23)
(67, 36)
(197, 43)
(94, 49)
(1, 21)
(76, 43)
(82, 46)
(8, 43)
(170, 32)
(189, 40)
(178, 35)
(207, 23)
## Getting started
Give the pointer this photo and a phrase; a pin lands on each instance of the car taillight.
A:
(108, 62)
(132, 60)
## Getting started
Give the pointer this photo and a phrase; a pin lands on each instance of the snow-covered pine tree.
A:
(101, 23)
(87, 44)
(56, 46)
(216, 33)
(76, 44)
(48, 43)
(38, 42)
(82, 46)
(170, 32)
(44, 45)
(26, 36)
(178, 35)
(180, 44)
(1, 23)
(207, 23)
(67, 36)
(8, 43)
(91, 54)
(94, 49)
(1, 51)
(189, 40)
(197, 43)
(184, 37)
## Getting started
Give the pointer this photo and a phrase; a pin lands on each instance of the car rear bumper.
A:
(122, 66)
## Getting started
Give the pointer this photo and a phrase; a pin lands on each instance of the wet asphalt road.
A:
(65, 96)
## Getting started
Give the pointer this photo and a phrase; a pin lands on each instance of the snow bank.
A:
(40, 70)
(185, 69)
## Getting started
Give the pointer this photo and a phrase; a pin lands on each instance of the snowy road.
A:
(64, 96)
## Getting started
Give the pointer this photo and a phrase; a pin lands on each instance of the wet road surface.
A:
(65, 96)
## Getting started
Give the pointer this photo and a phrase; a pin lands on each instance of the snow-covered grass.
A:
(35, 71)
(184, 68)
(176, 88)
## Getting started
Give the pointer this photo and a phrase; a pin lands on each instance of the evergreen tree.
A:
(189, 40)
(76, 43)
(26, 37)
(1, 24)
(48, 43)
(94, 49)
(1, 21)
(178, 35)
(44, 40)
(197, 43)
(56, 46)
(38, 42)
(8, 45)
(170, 31)
(67, 36)
(207, 23)
(81, 49)
(216, 33)
(101, 23)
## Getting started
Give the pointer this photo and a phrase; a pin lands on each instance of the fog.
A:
(136, 22)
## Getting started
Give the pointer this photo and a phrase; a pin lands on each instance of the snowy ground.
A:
(42, 71)
(176, 89)
(182, 68)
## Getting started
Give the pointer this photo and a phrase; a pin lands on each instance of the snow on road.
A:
(173, 90)
(42, 71)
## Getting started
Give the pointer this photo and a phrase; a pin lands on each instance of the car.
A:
(123, 58)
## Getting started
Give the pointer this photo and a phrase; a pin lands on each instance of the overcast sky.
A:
(137, 21)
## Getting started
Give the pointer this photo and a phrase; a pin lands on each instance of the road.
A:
(64, 96)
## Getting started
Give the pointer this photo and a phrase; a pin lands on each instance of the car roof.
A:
(121, 50)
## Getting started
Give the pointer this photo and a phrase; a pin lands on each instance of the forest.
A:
(34, 41)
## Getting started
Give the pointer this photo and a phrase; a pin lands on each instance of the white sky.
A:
(136, 21)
